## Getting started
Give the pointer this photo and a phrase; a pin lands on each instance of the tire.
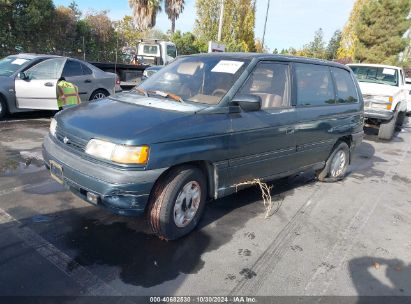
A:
(386, 130)
(169, 211)
(99, 94)
(401, 119)
(3, 108)
(333, 171)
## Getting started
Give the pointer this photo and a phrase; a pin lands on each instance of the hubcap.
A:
(338, 163)
(187, 203)
(1, 108)
(99, 96)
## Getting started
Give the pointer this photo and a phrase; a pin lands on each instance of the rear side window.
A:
(86, 70)
(346, 91)
(271, 82)
(72, 68)
(314, 85)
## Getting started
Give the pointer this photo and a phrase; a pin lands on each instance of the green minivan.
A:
(202, 125)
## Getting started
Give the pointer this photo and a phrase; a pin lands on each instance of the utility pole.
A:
(220, 24)
(84, 50)
(265, 24)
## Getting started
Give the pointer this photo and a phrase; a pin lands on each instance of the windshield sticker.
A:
(388, 71)
(19, 61)
(227, 66)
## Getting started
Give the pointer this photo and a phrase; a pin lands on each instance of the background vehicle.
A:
(201, 126)
(29, 81)
(385, 96)
(408, 84)
(150, 71)
(136, 60)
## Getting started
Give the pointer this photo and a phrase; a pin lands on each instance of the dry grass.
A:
(265, 193)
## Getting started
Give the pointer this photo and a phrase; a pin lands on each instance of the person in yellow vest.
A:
(67, 93)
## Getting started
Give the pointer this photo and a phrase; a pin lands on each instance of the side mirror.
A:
(22, 76)
(248, 102)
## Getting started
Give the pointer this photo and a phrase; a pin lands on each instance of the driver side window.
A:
(49, 69)
(270, 81)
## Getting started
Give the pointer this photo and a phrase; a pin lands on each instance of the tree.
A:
(238, 28)
(349, 34)
(315, 48)
(64, 30)
(173, 10)
(185, 43)
(380, 29)
(101, 39)
(333, 45)
(145, 12)
(76, 10)
(25, 25)
(128, 31)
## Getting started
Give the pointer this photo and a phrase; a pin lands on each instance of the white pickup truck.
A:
(385, 96)
(408, 85)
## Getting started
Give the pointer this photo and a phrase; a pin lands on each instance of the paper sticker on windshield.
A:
(227, 66)
(388, 71)
(19, 61)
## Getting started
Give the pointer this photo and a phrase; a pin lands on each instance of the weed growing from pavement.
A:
(265, 193)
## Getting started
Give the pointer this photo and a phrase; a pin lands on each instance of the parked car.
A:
(385, 96)
(408, 85)
(202, 125)
(151, 71)
(29, 81)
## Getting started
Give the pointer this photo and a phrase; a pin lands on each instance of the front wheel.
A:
(3, 108)
(177, 202)
(336, 165)
(387, 129)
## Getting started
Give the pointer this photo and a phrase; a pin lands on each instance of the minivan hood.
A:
(116, 121)
(377, 89)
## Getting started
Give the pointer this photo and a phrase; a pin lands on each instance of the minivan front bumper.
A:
(124, 192)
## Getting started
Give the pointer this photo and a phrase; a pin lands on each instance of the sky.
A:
(291, 23)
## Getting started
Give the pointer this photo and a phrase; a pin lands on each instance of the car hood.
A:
(128, 123)
(376, 89)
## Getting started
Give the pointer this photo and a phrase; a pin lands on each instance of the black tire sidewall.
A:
(178, 180)
(341, 147)
(324, 174)
(4, 111)
(96, 92)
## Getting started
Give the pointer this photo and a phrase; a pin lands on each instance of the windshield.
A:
(200, 79)
(376, 74)
(11, 64)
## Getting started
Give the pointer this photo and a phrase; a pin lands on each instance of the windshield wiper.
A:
(141, 91)
(167, 95)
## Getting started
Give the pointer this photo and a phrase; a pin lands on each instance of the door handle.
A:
(49, 84)
(87, 81)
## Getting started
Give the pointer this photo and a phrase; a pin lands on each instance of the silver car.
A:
(29, 81)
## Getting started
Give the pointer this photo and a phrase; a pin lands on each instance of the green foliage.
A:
(380, 29)
(238, 23)
(333, 45)
(24, 24)
(185, 43)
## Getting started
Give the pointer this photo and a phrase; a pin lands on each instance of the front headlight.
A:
(118, 153)
(53, 127)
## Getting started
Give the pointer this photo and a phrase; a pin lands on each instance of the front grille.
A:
(70, 141)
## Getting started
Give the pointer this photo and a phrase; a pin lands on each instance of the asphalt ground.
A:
(343, 239)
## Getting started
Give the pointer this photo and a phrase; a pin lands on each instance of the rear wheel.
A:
(177, 202)
(386, 130)
(336, 165)
(98, 94)
(3, 108)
